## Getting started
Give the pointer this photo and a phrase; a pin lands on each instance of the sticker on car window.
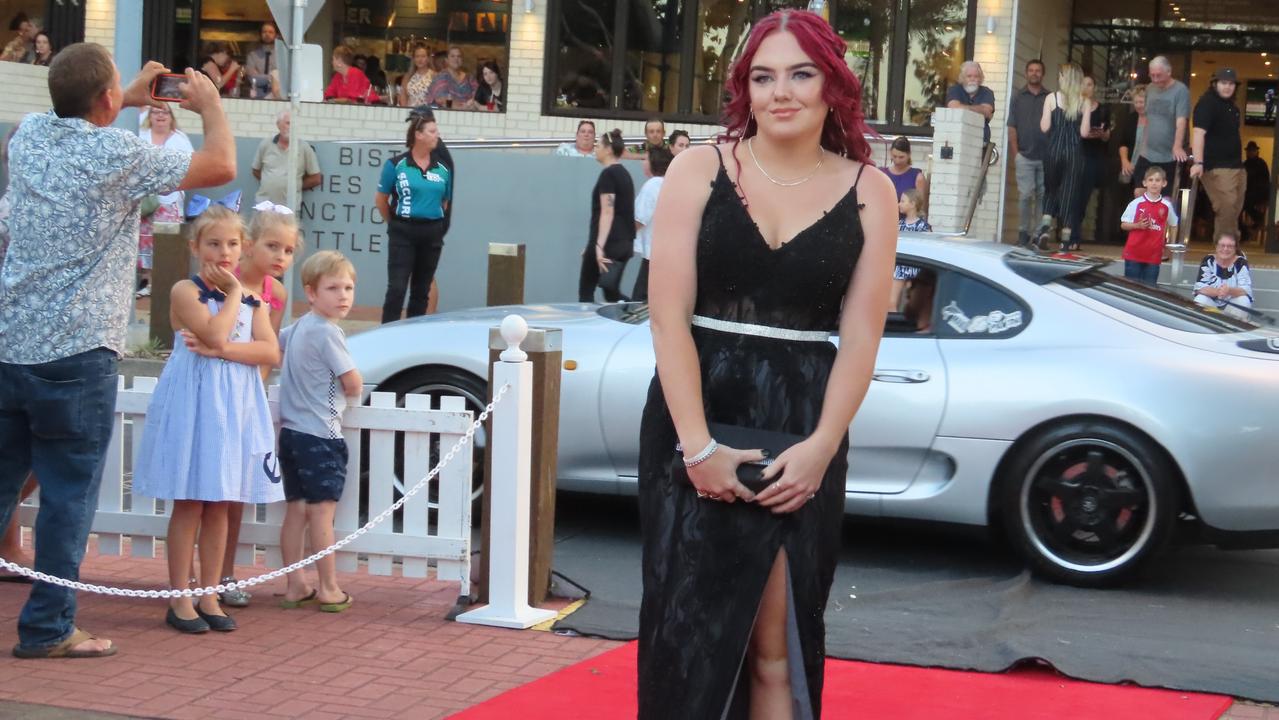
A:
(992, 323)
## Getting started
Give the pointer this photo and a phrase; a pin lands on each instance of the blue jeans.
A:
(1147, 273)
(56, 419)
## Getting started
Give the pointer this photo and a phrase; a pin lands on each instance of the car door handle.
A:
(901, 376)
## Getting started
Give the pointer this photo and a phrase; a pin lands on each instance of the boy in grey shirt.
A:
(317, 377)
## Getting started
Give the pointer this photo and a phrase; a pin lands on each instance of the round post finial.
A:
(514, 329)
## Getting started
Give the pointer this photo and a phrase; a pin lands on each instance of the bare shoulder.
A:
(874, 183)
(700, 162)
(277, 289)
(184, 287)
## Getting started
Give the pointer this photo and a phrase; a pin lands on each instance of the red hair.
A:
(845, 127)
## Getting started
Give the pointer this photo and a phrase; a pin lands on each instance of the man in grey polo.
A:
(1167, 120)
(271, 164)
(76, 184)
(1026, 144)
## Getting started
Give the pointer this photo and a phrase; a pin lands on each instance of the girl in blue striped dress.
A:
(208, 439)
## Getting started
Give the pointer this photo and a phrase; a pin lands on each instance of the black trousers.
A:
(413, 253)
(640, 293)
(590, 278)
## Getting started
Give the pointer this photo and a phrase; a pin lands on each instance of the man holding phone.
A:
(76, 184)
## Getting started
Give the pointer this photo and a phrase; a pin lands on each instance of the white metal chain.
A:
(195, 592)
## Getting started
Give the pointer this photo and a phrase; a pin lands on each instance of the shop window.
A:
(935, 50)
(584, 56)
(652, 68)
(381, 33)
(868, 26)
(632, 58)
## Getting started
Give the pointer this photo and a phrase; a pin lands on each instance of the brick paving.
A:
(391, 655)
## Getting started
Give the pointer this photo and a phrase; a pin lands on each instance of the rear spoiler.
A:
(1043, 269)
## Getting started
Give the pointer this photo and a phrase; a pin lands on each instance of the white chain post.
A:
(512, 456)
(462, 442)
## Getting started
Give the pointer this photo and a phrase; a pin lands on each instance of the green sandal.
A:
(338, 607)
(298, 604)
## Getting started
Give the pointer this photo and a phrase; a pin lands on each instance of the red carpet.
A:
(604, 687)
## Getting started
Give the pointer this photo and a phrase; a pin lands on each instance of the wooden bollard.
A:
(505, 274)
(545, 348)
(170, 262)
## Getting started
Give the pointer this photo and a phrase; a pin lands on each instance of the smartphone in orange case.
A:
(167, 87)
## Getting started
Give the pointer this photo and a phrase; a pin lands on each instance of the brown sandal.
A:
(65, 649)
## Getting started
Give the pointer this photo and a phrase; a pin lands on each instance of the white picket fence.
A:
(431, 532)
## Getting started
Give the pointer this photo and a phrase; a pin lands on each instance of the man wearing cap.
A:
(1256, 196)
(1218, 148)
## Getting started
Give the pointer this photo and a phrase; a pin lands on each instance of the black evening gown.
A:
(1064, 178)
(705, 562)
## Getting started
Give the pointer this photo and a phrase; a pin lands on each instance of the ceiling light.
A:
(1194, 74)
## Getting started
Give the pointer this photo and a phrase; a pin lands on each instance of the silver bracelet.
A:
(702, 456)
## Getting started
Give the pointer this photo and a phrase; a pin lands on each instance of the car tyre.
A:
(443, 381)
(1087, 502)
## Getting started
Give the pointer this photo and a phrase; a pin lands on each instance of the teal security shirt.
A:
(416, 193)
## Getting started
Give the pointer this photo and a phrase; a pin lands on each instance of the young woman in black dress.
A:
(763, 247)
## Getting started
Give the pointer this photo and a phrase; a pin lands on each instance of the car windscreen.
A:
(631, 313)
(1155, 305)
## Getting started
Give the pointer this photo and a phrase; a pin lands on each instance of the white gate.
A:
(430, 532)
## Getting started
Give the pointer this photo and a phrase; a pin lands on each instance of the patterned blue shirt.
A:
(67, 280)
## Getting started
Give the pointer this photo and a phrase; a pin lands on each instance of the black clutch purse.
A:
(742, 438)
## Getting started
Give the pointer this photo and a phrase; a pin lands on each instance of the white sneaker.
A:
(144, 292)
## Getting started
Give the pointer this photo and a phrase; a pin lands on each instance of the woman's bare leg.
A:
(767, 658)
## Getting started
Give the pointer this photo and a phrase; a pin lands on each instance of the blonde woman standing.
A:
(1066, 124)
(415, 86)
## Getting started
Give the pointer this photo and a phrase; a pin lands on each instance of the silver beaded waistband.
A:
(766, 331)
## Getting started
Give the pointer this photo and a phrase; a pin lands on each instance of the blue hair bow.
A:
(199, 203)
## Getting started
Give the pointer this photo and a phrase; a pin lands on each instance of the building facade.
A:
(620, 62)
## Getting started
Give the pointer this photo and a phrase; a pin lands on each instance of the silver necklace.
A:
(750, 145)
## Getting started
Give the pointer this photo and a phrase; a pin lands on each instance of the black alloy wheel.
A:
(1086, 503)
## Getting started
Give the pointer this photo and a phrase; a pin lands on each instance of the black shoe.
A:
(216, 623)
(194, 626)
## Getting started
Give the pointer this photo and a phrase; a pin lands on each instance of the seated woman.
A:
(1225, 279)
(349, 84)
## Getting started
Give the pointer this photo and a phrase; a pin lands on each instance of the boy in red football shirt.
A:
(1146, 219)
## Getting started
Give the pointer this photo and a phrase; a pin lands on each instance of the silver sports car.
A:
(1085, 416)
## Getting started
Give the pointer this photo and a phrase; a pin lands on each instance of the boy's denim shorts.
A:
(314, 468)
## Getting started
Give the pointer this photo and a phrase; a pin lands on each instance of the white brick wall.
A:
(99, 22)
(26, 89)
(954, 180)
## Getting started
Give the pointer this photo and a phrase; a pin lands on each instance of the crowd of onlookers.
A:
(435, 79)
(30, 45)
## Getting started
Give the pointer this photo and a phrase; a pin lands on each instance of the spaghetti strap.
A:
(719, 154)
(860, 170)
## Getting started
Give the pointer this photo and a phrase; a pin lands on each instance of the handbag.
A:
(750, 473)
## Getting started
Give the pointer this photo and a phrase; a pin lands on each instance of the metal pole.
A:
(295, 124)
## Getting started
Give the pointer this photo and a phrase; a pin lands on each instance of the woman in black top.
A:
(1094, 152)
(490, 92)
(612, 224)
